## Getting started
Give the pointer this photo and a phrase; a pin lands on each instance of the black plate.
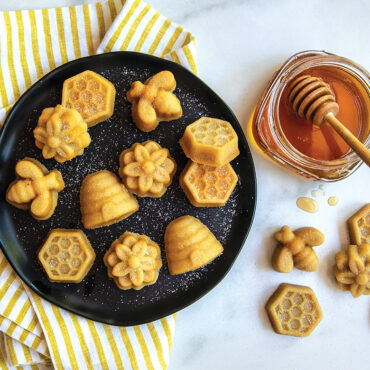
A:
(97, 297)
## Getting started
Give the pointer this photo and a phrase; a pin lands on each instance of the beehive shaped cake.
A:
(104, 200)
(153, 101)
(207, 186)
(294, 310)
(359, 226)
(147, 169)
(61, 133)
(66, 256)
(35, 188)
(91, 95)
(189, 245)
(210, 141)
(133, 261)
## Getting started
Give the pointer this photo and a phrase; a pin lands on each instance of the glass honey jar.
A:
(317, 153)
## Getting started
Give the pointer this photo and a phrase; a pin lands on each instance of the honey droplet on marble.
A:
(307, 204)
(333, 201)
(314, 193)
(321, 186)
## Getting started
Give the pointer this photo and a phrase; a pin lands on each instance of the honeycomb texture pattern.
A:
(210, 141)
(35, 188)
(207, 186)
(133, 261)
(147, 169)
(61, 133)
(352, 269)
(104, 200)
(66, 256)
(189, 245)
(359, 226)
(91, 95)
(294, 310)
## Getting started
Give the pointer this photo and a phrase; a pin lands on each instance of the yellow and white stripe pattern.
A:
(33, 42)
(34, 333)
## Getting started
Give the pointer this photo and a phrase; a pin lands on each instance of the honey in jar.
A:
(312, 151)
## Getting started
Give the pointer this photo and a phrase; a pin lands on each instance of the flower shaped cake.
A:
(352, 269)
(61, 133)
(147, 169)
(133, 261)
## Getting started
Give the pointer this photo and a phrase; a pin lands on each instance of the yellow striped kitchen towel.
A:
(33, 332)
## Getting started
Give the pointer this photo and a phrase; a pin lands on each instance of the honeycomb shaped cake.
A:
(133, 261)
(61, 133)
(35, 188)
(352, 269)
(359, 226)
(207, 186)
(66, 256)
(104, 200)
(189, 245)
(147, 169)
(294, 310)
(91, 95)
(210, 141)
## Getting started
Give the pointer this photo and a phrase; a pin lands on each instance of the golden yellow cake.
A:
(147, 169)
(296, 249)
(359, 226)
(189, 245)
(153, 101)
(61, 133)
(104, 200)
(66, 256)
(207, 186)
(352, 269)
(133, 261)
(210, 141)
(294, 310)
(91, 95)
(35, 188)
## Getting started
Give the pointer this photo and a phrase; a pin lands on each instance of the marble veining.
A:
(240, 44)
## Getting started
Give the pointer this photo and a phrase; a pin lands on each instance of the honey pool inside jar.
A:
(323, 143)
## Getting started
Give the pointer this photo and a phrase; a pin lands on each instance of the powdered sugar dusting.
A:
(97, 292)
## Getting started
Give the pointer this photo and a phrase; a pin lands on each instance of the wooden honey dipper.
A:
(311, 98)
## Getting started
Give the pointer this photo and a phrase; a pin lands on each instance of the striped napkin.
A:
(33, 332)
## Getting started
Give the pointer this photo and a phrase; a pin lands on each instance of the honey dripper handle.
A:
(359, 148)
(311, 98)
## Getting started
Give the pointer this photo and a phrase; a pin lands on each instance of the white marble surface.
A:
(240, 44)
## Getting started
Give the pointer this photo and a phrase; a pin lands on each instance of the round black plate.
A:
(97, 297)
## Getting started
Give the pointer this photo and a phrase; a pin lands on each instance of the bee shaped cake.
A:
(189, 245)
(104, 200)
(153, 101)
(147, 169)
(35, 188)
(296, 249)
(61, 133)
